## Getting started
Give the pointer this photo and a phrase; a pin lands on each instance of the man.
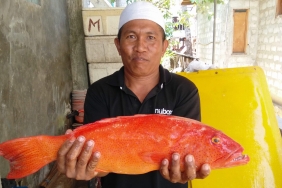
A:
(141, 86)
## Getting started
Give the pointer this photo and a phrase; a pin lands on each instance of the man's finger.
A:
(61, 155)
(91, 167)
(164, 169)
(69, 131)
(190, 168)
(72, 156)
(204, 171)
(174, 173)
(93, 162)
(83, 159)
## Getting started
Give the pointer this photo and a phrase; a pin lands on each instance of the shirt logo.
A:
(163, 111)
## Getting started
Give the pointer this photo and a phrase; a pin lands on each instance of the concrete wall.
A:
(35, 72)
(270, 45)
(77, 46)
(204, 38)
(224, 35)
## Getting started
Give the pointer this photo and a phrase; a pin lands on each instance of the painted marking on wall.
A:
(94, 23)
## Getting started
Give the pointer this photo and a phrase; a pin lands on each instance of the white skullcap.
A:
(141, 10)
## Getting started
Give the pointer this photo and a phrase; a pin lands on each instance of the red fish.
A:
(136, 143)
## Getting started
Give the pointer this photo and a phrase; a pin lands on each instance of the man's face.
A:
(141, 47)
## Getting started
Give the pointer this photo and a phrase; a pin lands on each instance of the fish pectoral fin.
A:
(100, 170)
(152, 157)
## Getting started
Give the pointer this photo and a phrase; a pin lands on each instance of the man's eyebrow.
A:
(151, 32)
(129, 31)
(147, 32)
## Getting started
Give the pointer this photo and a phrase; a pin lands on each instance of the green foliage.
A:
(183, 19)
(165, 7)
(203, 6)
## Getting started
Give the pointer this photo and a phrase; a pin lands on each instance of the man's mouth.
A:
(139, 59)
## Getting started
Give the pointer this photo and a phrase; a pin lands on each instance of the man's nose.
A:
(141, 45)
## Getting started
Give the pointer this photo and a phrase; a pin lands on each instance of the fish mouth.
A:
(239, 158)
(234, 159)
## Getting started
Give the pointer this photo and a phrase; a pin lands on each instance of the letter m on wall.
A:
(94, 26)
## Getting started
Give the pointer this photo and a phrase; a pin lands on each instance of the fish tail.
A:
(27, 155)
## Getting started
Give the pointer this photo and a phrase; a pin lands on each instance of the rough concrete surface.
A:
(35, 73)
(77, 46)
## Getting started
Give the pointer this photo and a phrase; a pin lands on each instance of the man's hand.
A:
(76, 159)
(174, 174)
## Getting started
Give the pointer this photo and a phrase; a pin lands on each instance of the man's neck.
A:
(141, 85)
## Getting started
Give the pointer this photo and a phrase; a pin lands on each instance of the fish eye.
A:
(215, 140)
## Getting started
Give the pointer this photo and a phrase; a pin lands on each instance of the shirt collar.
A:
(117, 79)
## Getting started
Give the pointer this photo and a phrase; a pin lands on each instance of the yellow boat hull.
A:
(237, 101)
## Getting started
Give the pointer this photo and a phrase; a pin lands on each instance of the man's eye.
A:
(130, 36)
(151, 37)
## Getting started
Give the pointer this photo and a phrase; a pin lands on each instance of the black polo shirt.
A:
(109, 97)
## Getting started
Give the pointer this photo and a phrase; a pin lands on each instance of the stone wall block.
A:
(100, 70)
(270, 57)
(276, 58)
(101, 49)
(99, 22)
(274, 49)
(271, 39)
(279, 75)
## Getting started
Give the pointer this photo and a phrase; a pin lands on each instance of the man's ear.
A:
(117, 45)
(165, 45)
